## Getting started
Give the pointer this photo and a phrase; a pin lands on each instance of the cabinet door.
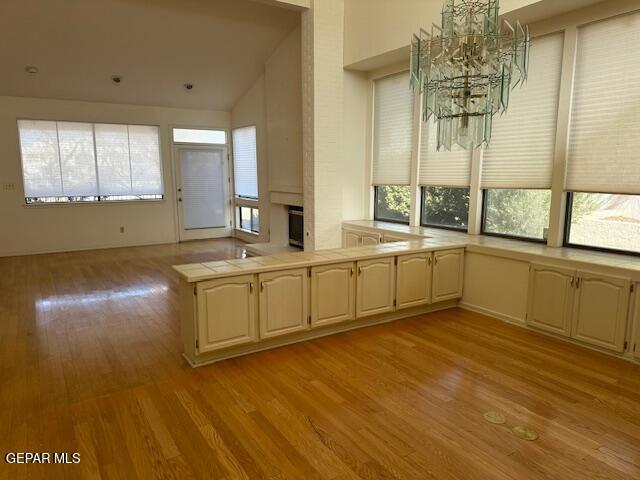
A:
(350, 239)
(375, 287)
(600, 310)
(283, 302)
(370, 238)
(448, 268)
(226, 313)
(413, 280)
(550, 298)
(333, 294)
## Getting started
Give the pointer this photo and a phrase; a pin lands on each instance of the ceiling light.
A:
(116, 79)
(31, 70)
(188, 86)
(466, 68)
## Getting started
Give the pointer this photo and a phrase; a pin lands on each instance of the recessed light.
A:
(116, 79)
(188, 86)
(31, 70)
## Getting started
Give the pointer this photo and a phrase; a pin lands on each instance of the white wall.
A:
(251, 110)
(37, 229)
(355, 116)
(283, 85)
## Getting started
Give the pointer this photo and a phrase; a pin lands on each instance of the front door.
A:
(203, 192)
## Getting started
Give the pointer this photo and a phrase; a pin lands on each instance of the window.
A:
(393, 130)
(603, 172)
(445, 177)
(245, 162)
(445, 207)
(517, 166)
(65, 162)
(392, 203)
(207, 137)
(517, 213)
(604, 221)
(249, 219)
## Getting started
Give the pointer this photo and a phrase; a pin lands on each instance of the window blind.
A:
(245, 162)
(604, 139)
(69, 159)
(442, 168)
(522, 146)
(392, 130)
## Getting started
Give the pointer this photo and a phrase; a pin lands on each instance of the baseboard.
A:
(491, 313)
(216, 356)
(628, 356)
(84, 249)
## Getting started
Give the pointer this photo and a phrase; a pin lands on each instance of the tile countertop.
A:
(198, 272)
(517, 249)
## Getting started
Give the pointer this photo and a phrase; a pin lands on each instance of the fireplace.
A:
(296, 226)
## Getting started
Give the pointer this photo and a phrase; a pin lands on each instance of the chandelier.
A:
(466, 68)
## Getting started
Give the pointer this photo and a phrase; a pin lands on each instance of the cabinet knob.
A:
(571, 281)
(262, 286)
(429, 260)
(359, 270)
(352, 271)
(577, 282)
(251, 287)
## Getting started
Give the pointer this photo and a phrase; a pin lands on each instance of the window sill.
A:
(248, 232)
(91, 204)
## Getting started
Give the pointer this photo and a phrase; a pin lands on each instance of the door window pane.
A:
(517, 213)
(606, 221)
(445, 207)
(203, 192)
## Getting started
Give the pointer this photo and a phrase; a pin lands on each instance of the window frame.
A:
(26, 204)
(375, 207)
(251, 226)
(233, 165)
(483, 221)
(567, 231)
(226, 131)
(423, 192)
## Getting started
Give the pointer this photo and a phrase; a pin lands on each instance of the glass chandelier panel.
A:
(465, 69)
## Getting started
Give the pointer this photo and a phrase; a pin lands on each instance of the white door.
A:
(203, 192)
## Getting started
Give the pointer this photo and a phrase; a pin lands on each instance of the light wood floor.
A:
(90, 362)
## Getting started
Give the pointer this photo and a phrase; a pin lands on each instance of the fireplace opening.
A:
(296, 226)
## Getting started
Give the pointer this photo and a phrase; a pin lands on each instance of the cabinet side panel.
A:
(497, 286)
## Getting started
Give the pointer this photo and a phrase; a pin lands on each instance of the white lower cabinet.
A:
(370, 239)
(350, 239)
(283, 302)
(333, 294)
(585, 306)
(550, 300)
(413, 280)
(448, 269)
(358, 238)
(375, 287)
(226, 313)
(600, 310)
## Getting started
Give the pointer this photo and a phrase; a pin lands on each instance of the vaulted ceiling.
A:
(157, 46)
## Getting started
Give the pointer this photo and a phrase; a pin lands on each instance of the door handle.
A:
(179, 199)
